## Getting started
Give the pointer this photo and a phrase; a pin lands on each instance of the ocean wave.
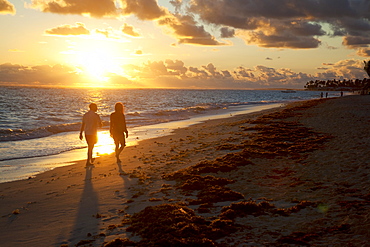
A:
(187, 110)
(20, 134)
(41, 154)
(134, 119)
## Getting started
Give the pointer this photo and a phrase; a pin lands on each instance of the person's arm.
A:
(82, 129)
(124, 124)
(110, 125)
(100, 123)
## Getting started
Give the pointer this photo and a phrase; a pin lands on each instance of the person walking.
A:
(118, 129)
(90, 124)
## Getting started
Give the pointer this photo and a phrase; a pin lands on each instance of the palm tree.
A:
(367, 67)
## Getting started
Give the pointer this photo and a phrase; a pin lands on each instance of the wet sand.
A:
(296, 175)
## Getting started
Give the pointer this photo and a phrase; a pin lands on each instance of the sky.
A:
(233, 44)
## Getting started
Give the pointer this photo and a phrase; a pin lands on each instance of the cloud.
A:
(185, 28)
(171, 73)
(227, 32)
(66, 30)
(143, 9)
(293, 24)
(344, 69)
(122, 81)
(45, 75)
(356, 41)
(106, 32)
(130, 30)
(54, 76)
(363, 52)
(93, 8)
(290, 24)
(177, 66)
(281, 34)
(138, 52)
(6, 7)
(174, 73)
(109, 33)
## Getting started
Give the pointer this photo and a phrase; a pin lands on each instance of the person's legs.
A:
(91, 141)
(119, 141)
(90, 148)
(116, 150)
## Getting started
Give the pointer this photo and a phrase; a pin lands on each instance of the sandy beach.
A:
(292, 176)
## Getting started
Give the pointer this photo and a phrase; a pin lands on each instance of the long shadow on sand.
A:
(87, 222)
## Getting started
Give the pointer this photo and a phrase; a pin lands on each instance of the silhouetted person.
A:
(118, 129)
(90, 124)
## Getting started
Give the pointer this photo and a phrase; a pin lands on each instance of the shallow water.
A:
(39, 126)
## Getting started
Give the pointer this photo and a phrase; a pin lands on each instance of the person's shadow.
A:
(87, 220)
(120, 170)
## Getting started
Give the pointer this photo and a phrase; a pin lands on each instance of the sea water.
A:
(39, 127)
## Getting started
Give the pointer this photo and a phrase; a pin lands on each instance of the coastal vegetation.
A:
(345, 85)
(338, 85)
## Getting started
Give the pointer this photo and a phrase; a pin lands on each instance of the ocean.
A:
(39, 127)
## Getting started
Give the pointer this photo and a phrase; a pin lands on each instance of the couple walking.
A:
(118, 130)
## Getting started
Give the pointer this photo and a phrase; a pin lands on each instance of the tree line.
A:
(348, 85)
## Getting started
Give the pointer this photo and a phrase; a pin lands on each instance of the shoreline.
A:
(328, 179)
(14, 170)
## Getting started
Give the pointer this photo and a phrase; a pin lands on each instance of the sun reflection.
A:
(105, 143)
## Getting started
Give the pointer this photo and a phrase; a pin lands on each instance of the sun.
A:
(97, 61)
(97, 64)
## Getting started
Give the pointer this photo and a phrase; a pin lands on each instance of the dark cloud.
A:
(177, 66)
(356, 41)
(144, 9)
(281, 40)
(177, 4)
(79, 29)
(295, 24)
(227, 32)
(290, 23)
(6, 7)
(185, 28)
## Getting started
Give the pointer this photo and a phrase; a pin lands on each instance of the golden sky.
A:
(182, 43)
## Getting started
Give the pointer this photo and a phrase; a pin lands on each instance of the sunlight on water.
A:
(105, 143)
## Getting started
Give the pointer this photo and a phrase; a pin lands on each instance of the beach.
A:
(293, 175)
